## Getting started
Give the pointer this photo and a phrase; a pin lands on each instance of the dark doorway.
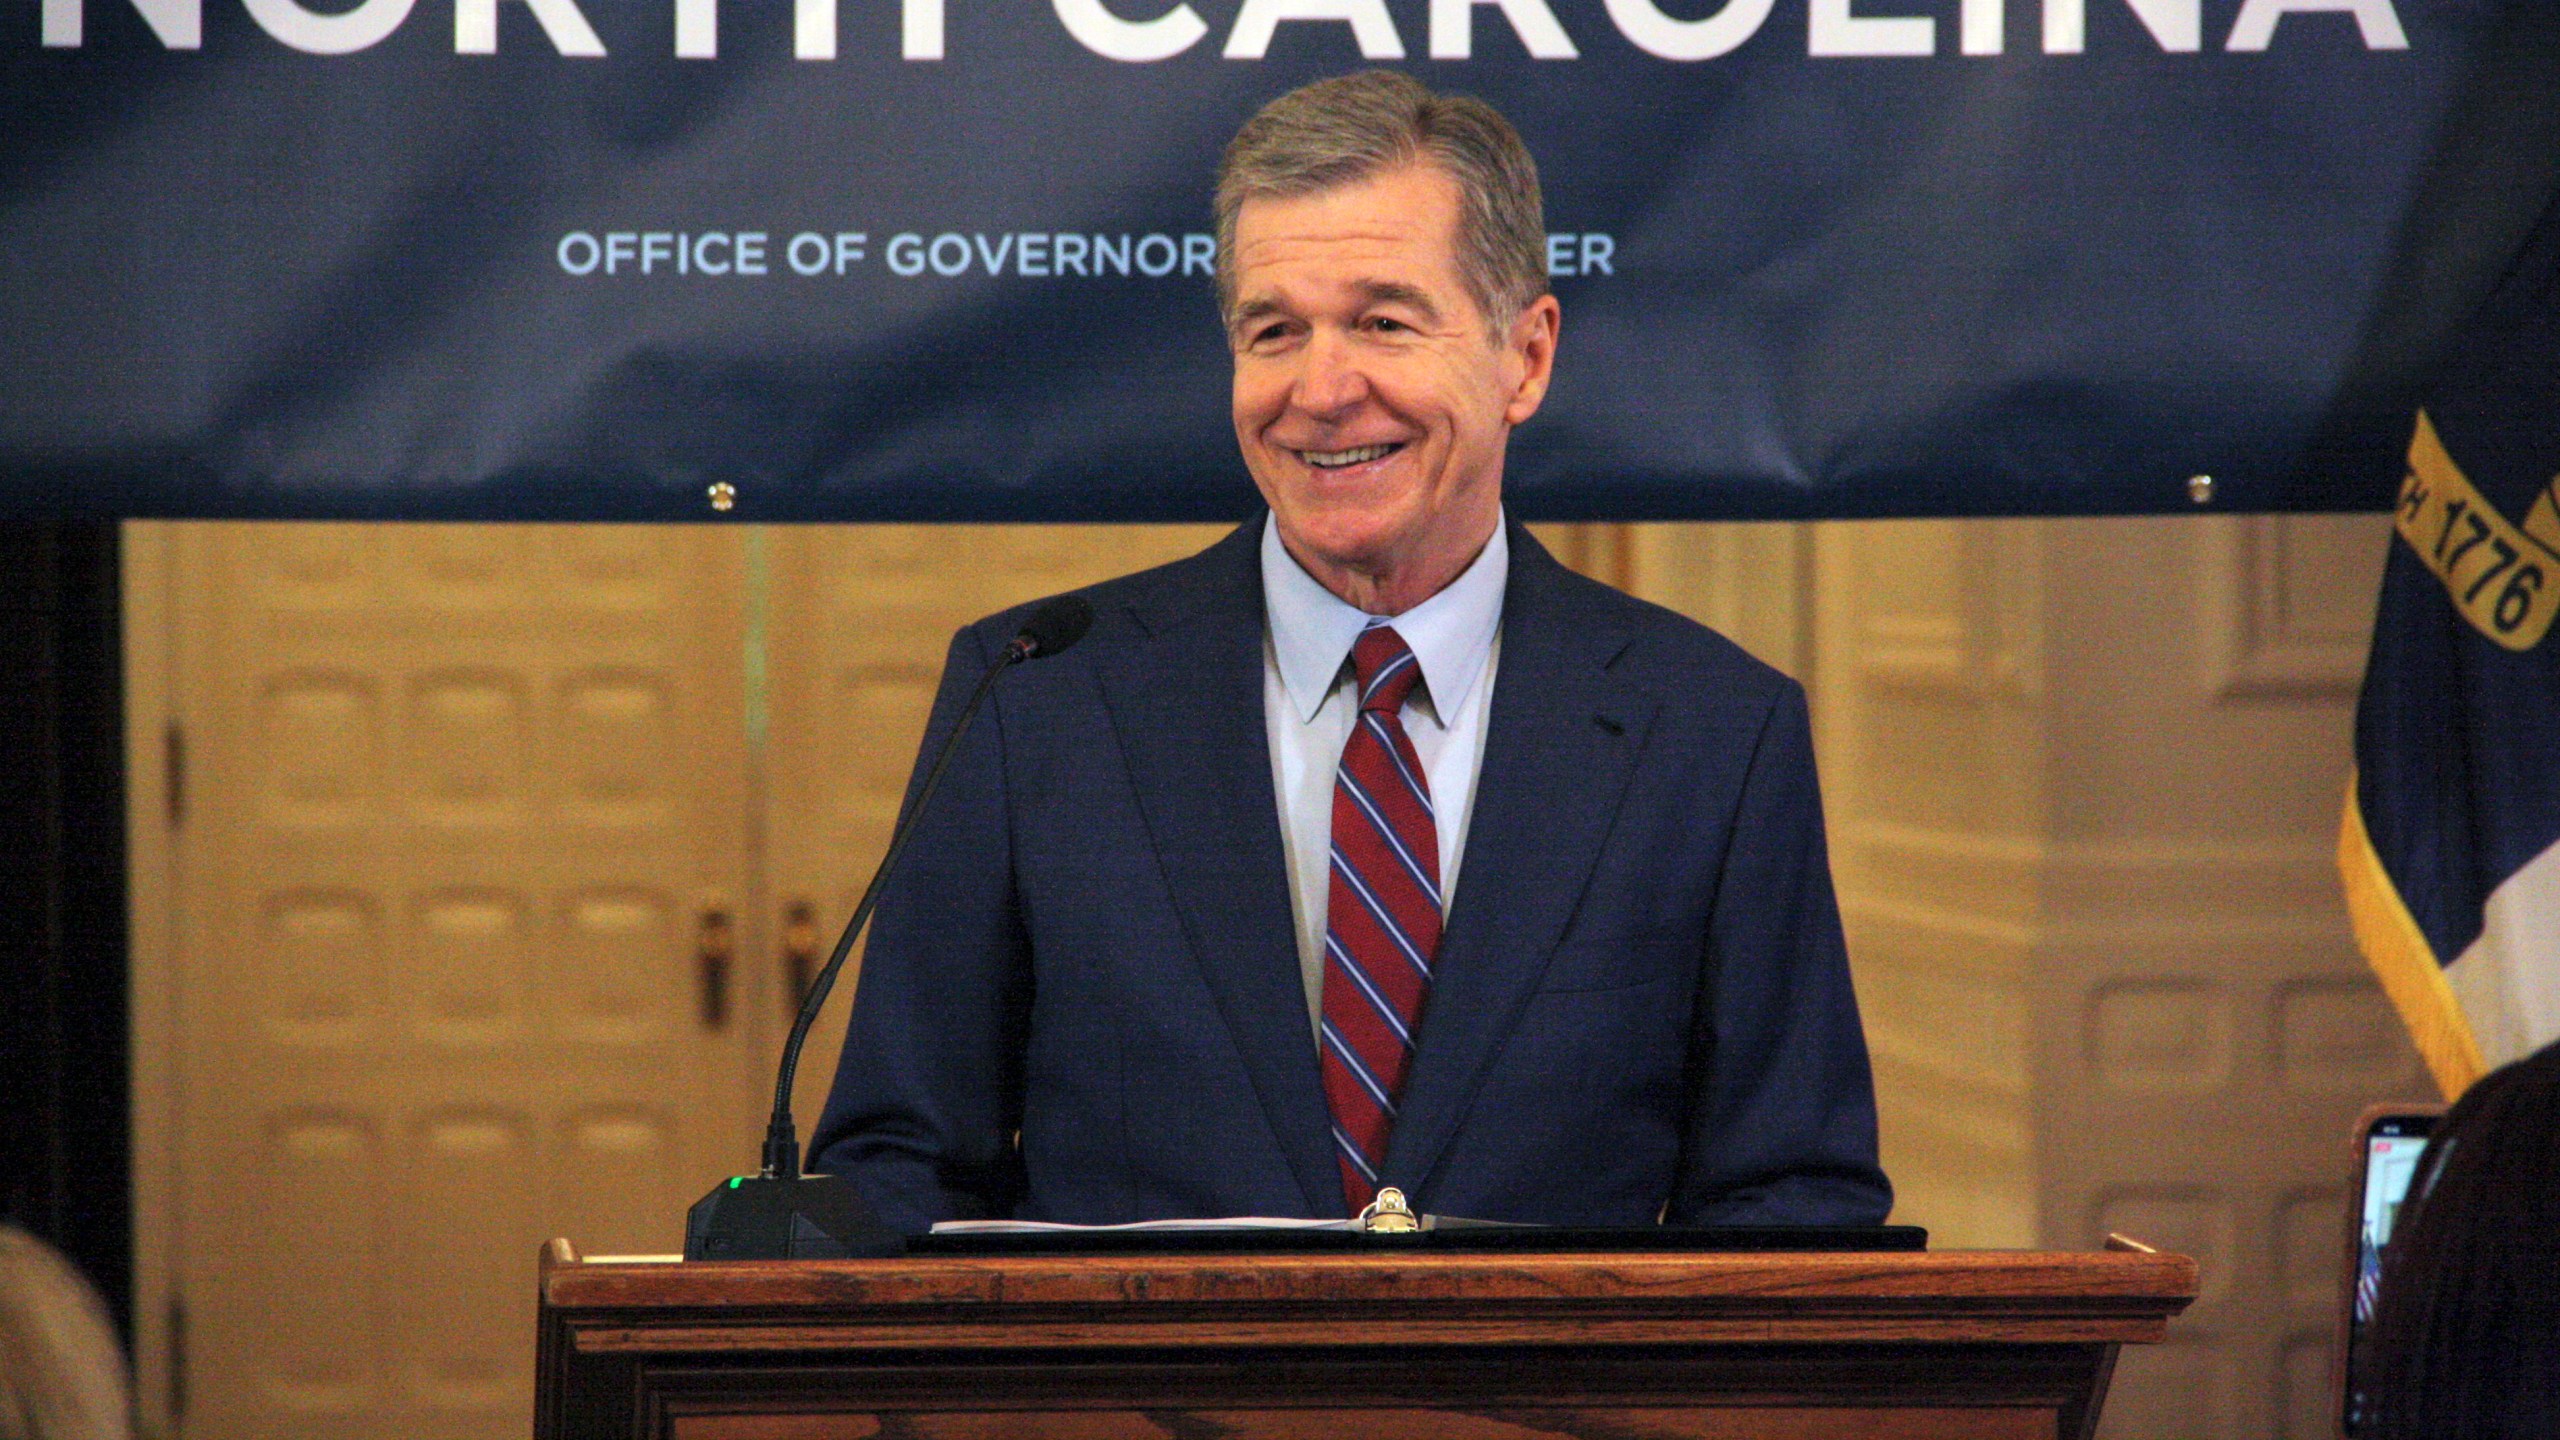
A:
(65, 1171)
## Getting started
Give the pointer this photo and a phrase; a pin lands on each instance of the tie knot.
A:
(1385, 669)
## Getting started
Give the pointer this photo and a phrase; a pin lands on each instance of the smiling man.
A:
(1376, 379)
(1184, 932)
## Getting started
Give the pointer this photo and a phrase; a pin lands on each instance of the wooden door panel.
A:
(456, 799)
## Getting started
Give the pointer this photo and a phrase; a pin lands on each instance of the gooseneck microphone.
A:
(779, 1213)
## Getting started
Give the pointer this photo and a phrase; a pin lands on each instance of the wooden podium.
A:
(1395, 1345)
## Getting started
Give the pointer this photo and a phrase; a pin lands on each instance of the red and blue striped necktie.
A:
(1382, 917)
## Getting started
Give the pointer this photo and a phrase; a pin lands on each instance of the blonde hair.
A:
(62, 1374)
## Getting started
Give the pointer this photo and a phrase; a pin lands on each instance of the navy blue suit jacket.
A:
(1081, 998)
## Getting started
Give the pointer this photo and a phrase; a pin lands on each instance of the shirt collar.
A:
(1450, 634)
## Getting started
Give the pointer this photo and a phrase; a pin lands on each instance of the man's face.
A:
(1372, 400)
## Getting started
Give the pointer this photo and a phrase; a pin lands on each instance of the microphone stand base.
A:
(811, 1217)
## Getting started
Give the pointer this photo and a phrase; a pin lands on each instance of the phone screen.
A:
(2392, 1146)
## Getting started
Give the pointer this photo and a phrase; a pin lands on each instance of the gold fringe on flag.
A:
(2403, 960)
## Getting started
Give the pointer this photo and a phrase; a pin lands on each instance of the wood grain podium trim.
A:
(1633, 1346)
(1304, 1299)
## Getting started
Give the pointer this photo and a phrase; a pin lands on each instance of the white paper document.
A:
(1227, 1222)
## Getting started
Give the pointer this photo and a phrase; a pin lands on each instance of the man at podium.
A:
(1369, 847)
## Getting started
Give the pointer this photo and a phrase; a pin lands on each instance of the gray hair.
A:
(1347, 129)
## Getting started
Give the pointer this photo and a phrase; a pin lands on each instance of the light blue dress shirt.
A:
(1308, 707)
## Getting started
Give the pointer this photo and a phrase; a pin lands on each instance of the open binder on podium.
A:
(1389, 1221)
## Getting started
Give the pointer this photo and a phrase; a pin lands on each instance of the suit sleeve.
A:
(928, 1093)
(1782, 1118)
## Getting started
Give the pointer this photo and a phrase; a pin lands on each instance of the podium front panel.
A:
(1628, 1346)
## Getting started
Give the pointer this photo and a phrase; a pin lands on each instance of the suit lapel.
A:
(1561, 743)
(1186, 704)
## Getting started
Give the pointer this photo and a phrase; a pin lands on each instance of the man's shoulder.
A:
(1664, 651)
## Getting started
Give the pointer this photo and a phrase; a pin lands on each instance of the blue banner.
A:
(942, 259)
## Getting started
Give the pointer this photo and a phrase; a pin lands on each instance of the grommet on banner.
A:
(2199, 489)
(724, 497)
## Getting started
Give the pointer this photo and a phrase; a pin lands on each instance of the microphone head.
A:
(1053, 627)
